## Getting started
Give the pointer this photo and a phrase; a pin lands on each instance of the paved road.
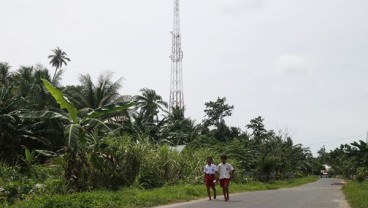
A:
(317, 194)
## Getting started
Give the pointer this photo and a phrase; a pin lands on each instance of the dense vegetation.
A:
(59, 139)
(356, 194)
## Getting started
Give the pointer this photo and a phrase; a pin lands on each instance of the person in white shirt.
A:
(209, 177)
(225, 172)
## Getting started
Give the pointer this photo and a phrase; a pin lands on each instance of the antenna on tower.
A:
(176, 77)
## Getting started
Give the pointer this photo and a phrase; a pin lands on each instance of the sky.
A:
(300, 64)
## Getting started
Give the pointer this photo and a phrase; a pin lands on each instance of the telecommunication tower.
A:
(176, 76)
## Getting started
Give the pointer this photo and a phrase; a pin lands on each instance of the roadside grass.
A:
(134, 197)
(356, 194)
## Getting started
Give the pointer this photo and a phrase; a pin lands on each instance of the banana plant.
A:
(28, 159)
(78, 129)
(359, 154)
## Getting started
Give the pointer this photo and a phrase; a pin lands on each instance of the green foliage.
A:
(81, 135)
(90, 95)
(356, 194)
(115, 161)
(150, 103)
(258, 130)
(349, 160)
(215, 113)
(165, 166)
(15, 132)
(28, 159)
(62, 101)
(107, 110)
(178, 129)
(360, 153)
(362, 174)
(340, 161)
(15, 186)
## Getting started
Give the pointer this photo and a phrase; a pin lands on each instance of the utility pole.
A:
(366, 138)
(176, 77)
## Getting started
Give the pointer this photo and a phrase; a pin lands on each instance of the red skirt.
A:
(224, 182)
(209, 180)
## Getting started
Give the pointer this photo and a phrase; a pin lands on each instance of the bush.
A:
(16, 186)
(157, 167)
(362, 173)
(116, 163)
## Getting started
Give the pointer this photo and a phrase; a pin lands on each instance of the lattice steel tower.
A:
(176, 80)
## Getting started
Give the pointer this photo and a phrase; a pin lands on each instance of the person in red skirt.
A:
(209, 177)
(225, 172)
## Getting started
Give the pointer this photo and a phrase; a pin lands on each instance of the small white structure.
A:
(178, 148)
(326, 170)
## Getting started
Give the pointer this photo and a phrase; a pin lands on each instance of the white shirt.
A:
(224, 170)
(210, 169)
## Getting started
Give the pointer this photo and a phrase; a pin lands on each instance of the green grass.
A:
(133, 197)
(356, 194)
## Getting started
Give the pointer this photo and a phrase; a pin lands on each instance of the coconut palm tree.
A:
(31, 95)
(150, 104)
(88, 95)
(178, 129)
(57, 60)
(15, 133)
(5, 75)
(30, 86)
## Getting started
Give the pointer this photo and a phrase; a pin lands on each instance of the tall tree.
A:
(89, 95)
(30, 86)
(150, 103)
(9, 131)
(178, 129)
(359, 153)
(322, 155)
(215, 113)
(5, 75)
(341, 160)
(257, 127)
(57, 60)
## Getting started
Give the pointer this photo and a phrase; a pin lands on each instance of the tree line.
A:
(124, 139)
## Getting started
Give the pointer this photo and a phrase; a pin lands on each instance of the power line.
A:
(335, 140)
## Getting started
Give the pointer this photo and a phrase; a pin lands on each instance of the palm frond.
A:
(109, 109)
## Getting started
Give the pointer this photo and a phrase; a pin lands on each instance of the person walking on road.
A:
(209, 177)
(225, 173)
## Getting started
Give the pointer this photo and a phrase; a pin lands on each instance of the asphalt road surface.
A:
(317, 194)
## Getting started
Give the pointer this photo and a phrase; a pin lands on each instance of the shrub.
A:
(362, 173)
(160, 165)
(17, 186)
(116, 162)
